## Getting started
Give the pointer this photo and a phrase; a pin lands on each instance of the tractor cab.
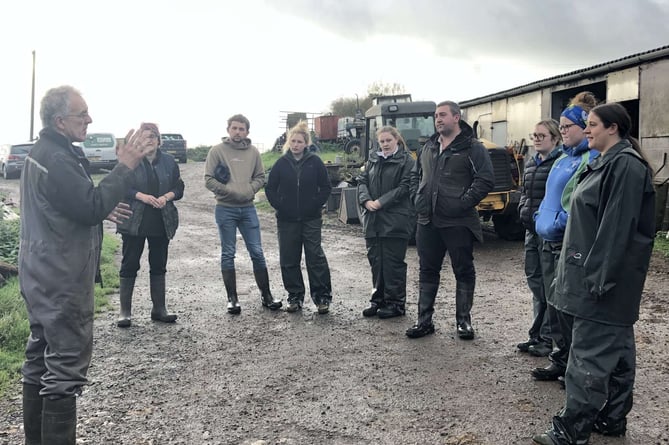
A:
(414, 120)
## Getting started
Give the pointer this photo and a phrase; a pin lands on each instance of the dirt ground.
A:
(277, 378)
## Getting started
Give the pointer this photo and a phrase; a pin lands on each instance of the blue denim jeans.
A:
(229, 219)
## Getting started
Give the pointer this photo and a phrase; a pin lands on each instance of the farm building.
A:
(640, 82)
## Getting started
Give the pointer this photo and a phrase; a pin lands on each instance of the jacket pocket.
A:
(449, 201)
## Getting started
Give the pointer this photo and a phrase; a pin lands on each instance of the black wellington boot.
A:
(126, 287)
(426, 296)
(262, 280)
(32, 414)
(159, 312)
(464, 299)
(59, 421)
(230, 281)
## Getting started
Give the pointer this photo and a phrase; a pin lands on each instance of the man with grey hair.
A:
(455, 173)
(61, 236)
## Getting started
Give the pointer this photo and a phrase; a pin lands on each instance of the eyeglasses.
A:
(82, 115)
(565, 127)
(537, 136)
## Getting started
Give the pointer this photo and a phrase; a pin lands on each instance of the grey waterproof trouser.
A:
(599, 379)
(60, 346)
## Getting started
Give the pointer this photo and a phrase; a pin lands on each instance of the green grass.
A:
(14, 327)
(661, 244)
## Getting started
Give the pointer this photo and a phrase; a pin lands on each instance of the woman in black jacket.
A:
(600, 277)
(156, 185)
(384, 189)
(547, 143)
(297, 188)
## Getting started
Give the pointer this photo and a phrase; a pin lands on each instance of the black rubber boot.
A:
(159, 312)
(32, 414)
(230, 281)
(426, 296)
(464, 299)
(126, 287)
(371, 310)
(262, 280)
(59, 421)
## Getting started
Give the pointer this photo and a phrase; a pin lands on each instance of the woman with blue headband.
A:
(551, 221)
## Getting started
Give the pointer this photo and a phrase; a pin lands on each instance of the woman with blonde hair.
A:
(297, 188)
(384, 189)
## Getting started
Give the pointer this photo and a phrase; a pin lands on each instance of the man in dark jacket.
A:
(61, 235)
(454, 173)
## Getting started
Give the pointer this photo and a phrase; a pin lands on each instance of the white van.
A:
(100, 150)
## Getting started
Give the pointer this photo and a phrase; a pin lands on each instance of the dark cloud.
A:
(557, 33)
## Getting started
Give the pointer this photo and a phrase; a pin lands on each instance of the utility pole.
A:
(32, 102)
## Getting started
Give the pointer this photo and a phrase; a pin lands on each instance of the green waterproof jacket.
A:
(608, 240)
(389, 181)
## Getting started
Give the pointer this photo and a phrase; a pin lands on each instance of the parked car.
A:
(175, 145)
(12, 158)
(100, 150)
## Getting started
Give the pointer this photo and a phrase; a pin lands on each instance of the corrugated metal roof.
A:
(618, 64)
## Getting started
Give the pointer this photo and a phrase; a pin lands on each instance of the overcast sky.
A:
(190, 65)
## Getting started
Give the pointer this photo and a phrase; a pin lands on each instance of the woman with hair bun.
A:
(551, 221)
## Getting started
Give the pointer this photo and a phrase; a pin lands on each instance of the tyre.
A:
(509, 227)
(352, 146)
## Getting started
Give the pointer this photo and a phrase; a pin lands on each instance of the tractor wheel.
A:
(509, 227)
(352, 147)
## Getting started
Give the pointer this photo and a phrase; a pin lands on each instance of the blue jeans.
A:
(229, 219)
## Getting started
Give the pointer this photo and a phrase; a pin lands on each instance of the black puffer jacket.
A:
(534, 186)
(389, 181)
(298, 189)
(452, 183)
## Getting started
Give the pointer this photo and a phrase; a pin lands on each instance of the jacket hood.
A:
(289, 156)
(241, 145)
(401, 152)
(621, 145)
(461, 141)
